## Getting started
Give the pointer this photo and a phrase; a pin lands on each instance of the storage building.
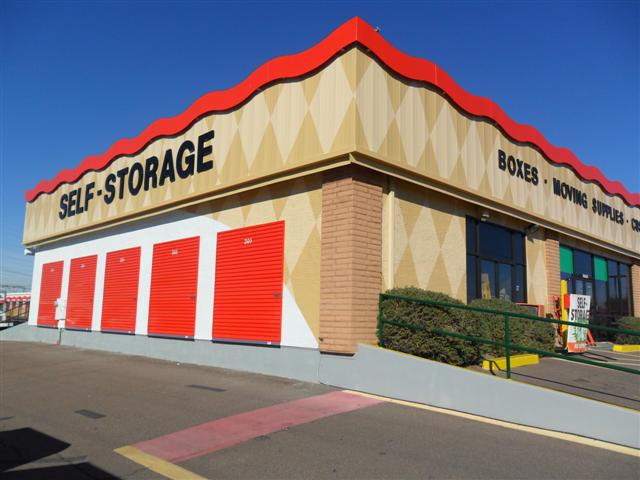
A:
(275, 212)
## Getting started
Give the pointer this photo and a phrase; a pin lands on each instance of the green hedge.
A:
(452, 350)
(530, 333)
(423, 344)
(628, 323)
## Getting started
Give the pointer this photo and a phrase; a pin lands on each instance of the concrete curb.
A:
(516, 361)
(626, 348)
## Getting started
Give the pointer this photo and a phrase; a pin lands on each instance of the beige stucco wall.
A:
(424, 242)
(412, 126)
(428, 237)
(536, 269)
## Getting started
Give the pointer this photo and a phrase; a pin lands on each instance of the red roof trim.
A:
(355, 30)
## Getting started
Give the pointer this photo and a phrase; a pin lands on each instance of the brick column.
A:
(635, 285)
(350, 258)
(552, 267)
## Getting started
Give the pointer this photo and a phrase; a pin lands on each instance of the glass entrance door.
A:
(584, 287)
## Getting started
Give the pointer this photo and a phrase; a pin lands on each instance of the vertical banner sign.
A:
(579, 306)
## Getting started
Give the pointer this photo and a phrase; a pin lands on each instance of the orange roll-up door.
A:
(120, 299)
(248, 288)
(82, 285)
(174, 286)
(50, 287)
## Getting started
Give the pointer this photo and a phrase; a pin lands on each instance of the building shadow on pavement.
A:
(24, 446)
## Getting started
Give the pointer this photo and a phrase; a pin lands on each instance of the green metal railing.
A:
(507, 344)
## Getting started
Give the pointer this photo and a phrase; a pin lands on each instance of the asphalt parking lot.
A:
(64, 412)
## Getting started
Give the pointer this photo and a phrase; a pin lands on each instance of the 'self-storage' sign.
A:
(189, 159)
(579, 306)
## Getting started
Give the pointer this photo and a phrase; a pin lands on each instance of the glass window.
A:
(582, 264)
(496, 262)
(471, 236)
(606, 281)
(471, 277)
(619, 302)
(623, 270)
(518, 247)
(487, 278)
(495, 241)
(568, 277)
(624, 299)
(504, 282)
(612, 303)
(588, 289)
(601, 296)
(518, 294)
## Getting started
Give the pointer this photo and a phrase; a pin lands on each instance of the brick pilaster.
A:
(552, 267)
(350, 259)
(635, 285)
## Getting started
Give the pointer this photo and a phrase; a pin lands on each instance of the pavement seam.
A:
(590, 442)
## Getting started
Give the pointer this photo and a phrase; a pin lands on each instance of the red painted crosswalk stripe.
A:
(229, 431)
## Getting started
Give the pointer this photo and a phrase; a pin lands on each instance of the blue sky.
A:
(77, 76)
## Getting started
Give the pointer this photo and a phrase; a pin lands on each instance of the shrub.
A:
(529, 333)
(628, 323)
(424, 344)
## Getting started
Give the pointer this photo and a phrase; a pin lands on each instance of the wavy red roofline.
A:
(355, 30)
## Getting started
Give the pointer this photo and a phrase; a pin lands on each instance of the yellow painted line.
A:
(590, 442)
(155, 464)
(516, 361)
(626, 348)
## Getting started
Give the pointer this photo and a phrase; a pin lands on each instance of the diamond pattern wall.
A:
(280, 128)
(429, 244)
(352, 105)
(442, 143)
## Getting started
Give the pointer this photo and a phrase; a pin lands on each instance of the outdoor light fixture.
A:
(484, 216)
(531, 229)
